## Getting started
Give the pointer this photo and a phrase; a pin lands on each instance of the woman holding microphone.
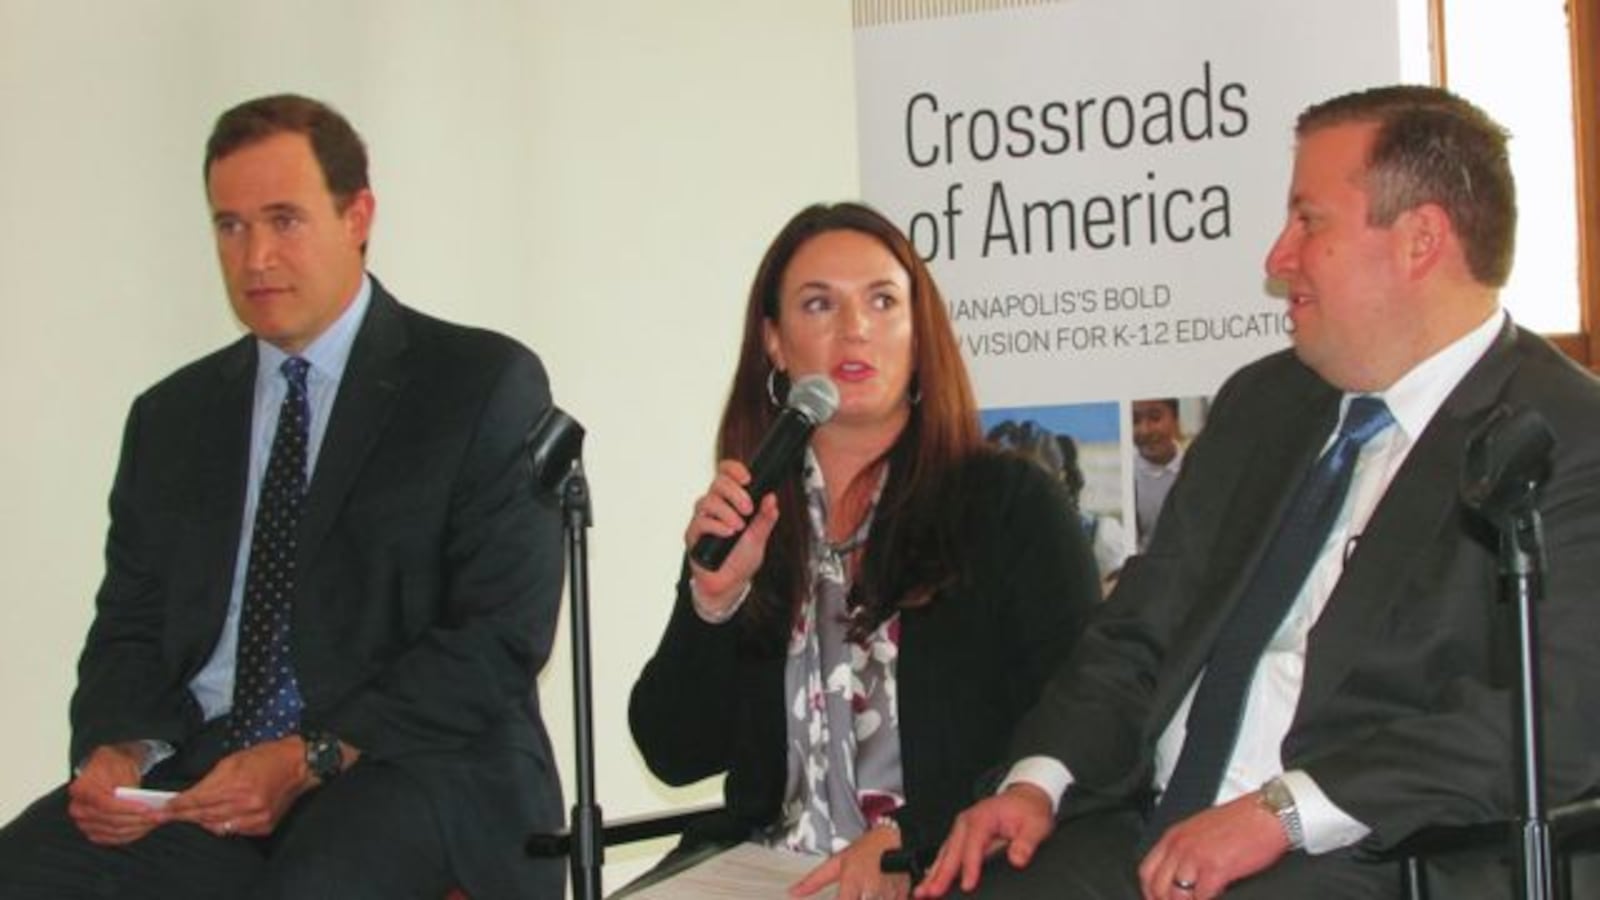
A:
(856, 663)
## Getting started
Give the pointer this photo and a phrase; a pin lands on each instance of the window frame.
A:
(1583, 34)
(1583, 27)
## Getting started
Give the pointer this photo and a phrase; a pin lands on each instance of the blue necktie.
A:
(266, 698)
(1213, 723)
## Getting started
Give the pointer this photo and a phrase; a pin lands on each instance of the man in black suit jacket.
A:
(425, 583)
(1381, 703)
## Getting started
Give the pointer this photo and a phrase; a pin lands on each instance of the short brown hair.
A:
(338, 149)
(1434, 147)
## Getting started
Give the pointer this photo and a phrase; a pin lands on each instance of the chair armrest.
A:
(631, 829)
(548, 845)
(1574, 819)
(1568, 820)
(627, 830)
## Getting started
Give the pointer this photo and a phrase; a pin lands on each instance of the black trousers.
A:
(370, 833)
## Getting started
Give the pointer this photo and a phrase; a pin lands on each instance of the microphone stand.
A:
(1522, 582)
(555, 452)
(1507, 461)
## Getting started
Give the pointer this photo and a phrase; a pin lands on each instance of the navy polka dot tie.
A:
(266, 698)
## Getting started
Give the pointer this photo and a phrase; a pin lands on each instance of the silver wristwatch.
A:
(1276, 799)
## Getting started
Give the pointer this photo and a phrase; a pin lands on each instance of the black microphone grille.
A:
(815, 397)
(1506, 460)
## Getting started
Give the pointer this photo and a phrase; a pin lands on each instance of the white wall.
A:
(597, 179)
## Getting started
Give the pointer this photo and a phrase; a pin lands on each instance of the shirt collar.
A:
(330, 351)
(1419, 393)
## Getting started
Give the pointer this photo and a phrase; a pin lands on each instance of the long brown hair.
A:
(910, 553)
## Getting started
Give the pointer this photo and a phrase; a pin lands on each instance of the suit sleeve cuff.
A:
(155, 753)
(1327, 827)
(1044, 773)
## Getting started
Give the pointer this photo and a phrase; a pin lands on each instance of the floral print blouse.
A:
(843, 723)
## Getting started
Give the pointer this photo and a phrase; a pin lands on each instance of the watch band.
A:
(1277, 799)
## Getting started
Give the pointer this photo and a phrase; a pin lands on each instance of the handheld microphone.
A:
(812, 401)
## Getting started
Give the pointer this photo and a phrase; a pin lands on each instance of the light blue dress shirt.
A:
(213, 685)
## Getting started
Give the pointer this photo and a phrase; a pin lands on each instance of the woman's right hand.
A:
(720, 511)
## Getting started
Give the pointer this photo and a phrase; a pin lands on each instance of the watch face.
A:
(1276, 796)
(322, 755)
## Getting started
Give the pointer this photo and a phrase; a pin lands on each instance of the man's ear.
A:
(358, 215)
(1427, 233)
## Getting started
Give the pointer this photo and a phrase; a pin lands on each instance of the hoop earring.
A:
(772, 387)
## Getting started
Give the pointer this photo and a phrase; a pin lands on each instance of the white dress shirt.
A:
(1275, 690)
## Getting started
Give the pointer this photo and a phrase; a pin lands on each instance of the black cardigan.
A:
(971, 662)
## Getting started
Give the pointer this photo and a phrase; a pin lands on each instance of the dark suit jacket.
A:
(429, 574)
(1404, 716)
(971, 663)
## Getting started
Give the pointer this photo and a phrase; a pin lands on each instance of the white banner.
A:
(1096, 184)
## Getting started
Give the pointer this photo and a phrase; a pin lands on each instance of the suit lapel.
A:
(221, 474)
(1420, 504)
(372, 380)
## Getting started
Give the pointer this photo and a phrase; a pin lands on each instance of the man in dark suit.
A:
(329, 585)
(1375, 700)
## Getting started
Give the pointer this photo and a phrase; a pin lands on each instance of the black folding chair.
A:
(1574, 830)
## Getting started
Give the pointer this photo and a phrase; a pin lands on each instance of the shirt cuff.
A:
(1327, 827)
(716, 617)
(1046, 774)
